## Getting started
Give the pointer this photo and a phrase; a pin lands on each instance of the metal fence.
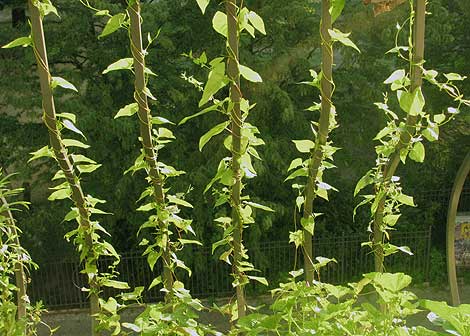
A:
(59, 284)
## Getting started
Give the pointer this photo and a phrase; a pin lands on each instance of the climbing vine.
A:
(20, 318)
(165, 222)
(321, 150)
(300, 307)
(241, 142)
(403, 137)
(87, 236)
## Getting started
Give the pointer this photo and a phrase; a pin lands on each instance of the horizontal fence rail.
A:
(59, 284)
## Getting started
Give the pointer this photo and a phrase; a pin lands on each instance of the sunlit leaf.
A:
(122, 64)
(59, 81)
(113, 24)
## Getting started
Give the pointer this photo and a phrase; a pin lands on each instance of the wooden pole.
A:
(405, 137)
(60, 152)
(231, 8)
(146, 134)
(323, 130)
(459, 182)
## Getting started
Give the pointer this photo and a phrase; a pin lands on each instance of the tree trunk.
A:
(146, 133)
(323, 130)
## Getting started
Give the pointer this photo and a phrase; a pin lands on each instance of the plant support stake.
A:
(60, 152)
(146, 132)
(236, 126)
(323, 130)
(459, 182)
(405, 137)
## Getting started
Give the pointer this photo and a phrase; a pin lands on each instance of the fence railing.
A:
(58, 284)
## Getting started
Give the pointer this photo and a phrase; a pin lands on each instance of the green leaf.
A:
(204, 111)
(363, 182)
(304, 146)
(249, 74)
(411, 103)
(24, 41)
(297, 238)
(152, 259)
(71, 215)
(149, 94)
(405, 199)
(77, 158)
(74, 143)
(325, 186)
(392, 281)
(155, 282)
(417, 153)
(60, 194)
(299, 172)
(336, 8)
(146, 207)
(127, 111)
(161, 121)
(417, 103)
(110, 306)
(323, 193)
(215, 81)
(203, 5)
(219, 23)
(439, 118)
(132, 327)
(397, 75)
(343, 38)
(457, 317)
(115, 284)
(189, 241)
(113, 24)
(45, 151)
(104, 12)
(454, 76)
(45, 7)
(431, 133)
(69, 116)
(259, 206)
(110, 250)
(217, 129)
(59, 81)
(308, 224)
(71, 126)
(391, 220)
(88, 168)
(294, 164)
(122, 64)
(383, 132)
(221, 242)
(176, 200)
(259, 279)
(257, 22)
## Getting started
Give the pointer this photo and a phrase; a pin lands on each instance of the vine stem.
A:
(405, 136)
(326, 88)
(60, 152)
(236, 128)
(146, 134)
(20, 274)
